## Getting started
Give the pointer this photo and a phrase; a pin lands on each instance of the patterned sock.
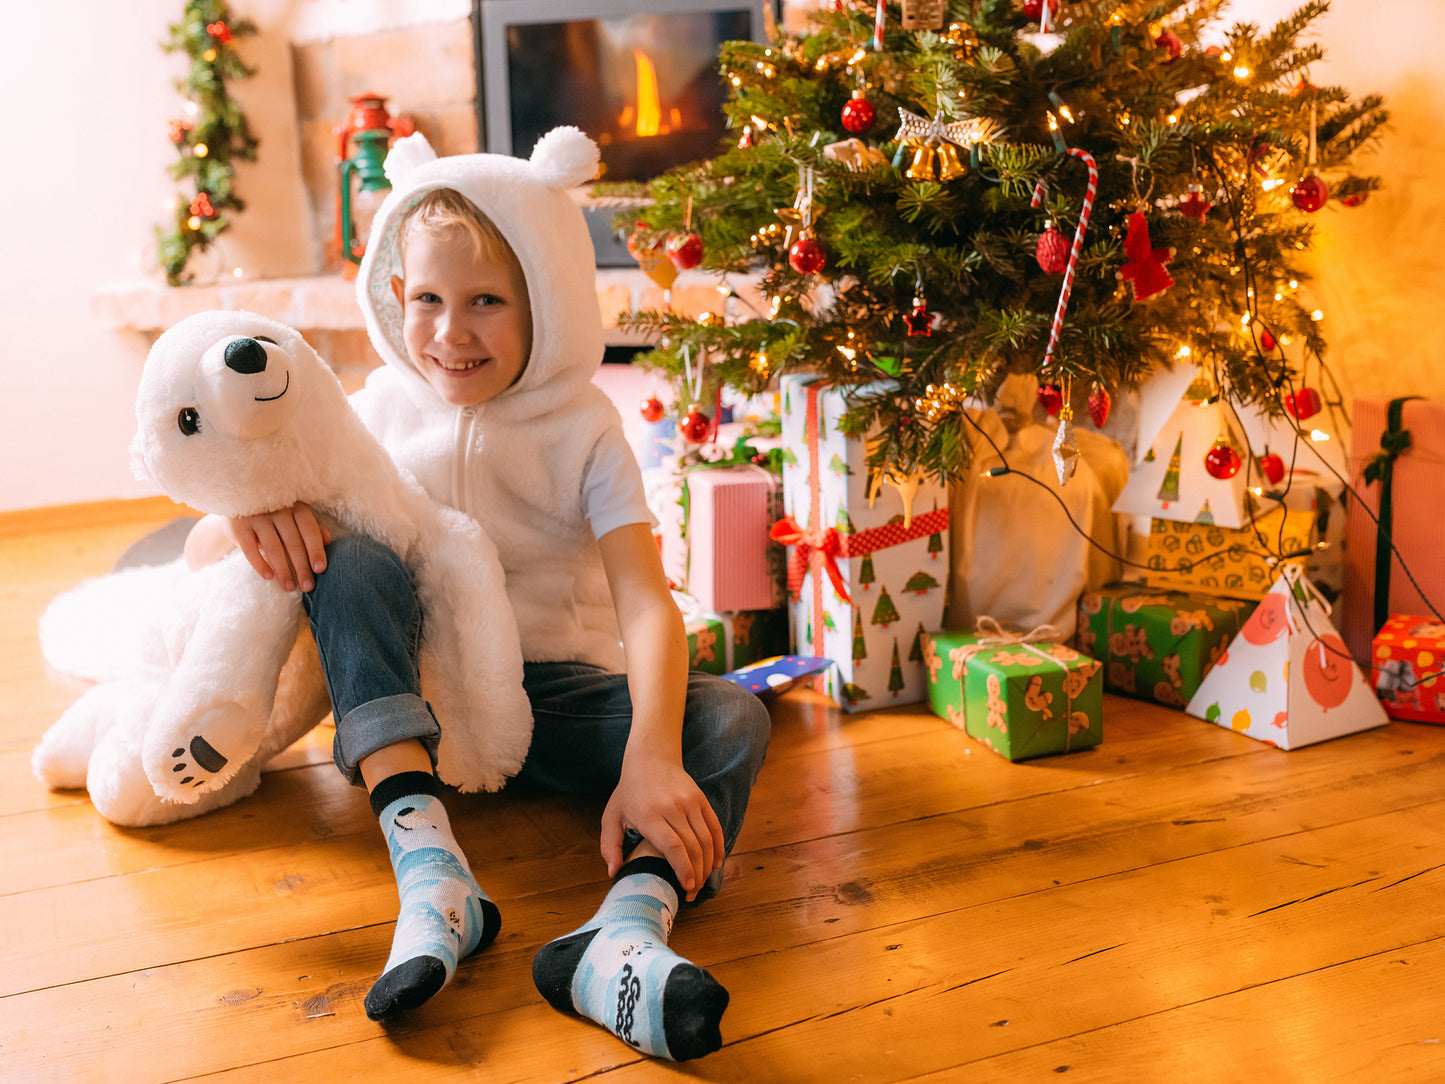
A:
(444, 913)
(618, 971)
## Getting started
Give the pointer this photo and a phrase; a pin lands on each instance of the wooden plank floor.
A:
(1180, 904)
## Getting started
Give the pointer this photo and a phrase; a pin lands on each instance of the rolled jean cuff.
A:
(378, 723)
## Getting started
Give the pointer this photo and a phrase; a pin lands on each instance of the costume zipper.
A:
(466, 426)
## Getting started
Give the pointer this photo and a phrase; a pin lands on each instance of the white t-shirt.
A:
(612, 491)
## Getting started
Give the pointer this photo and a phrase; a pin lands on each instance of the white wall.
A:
(84, 181)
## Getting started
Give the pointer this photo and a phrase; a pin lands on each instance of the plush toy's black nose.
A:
(246, 356)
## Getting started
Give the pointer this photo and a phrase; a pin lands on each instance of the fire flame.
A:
(645, 119)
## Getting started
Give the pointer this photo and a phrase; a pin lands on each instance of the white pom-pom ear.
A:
(565, 157)
(407, 154)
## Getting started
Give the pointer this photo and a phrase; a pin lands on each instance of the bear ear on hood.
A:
(565, 157)
(407, 154)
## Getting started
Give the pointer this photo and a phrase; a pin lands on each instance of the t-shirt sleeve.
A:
(612, 491)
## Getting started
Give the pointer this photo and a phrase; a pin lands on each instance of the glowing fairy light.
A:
(1318, 435)
(1317, 316)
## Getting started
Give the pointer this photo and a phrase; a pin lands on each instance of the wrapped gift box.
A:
(722, 642)
(1407, 460)
(715, 540)
(1225, 560)
(1406, 658)
(867, 563)
(1021, 699)
(1156, 645)
(1287, 679)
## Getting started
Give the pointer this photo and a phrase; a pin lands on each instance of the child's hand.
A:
(660, 800)
(287, 545)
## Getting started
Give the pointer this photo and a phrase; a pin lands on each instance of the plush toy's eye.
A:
(189, 421)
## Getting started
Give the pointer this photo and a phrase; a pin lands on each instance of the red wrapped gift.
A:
(1408, 668)
(1397, 467)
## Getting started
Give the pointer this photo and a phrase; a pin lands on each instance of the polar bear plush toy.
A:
(238, 415)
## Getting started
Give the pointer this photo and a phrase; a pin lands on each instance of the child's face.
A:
(466, 318)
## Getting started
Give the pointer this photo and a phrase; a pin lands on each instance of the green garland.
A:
(209, 137)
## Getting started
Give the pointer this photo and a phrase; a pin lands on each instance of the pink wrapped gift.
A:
(720, 552)
(1407, 475)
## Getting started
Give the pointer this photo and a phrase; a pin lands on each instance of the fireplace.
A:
(638, 76)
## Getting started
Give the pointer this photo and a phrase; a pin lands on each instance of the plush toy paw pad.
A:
(205, 762)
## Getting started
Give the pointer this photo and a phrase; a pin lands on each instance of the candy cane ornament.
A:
(878, 27)
(1074, 250)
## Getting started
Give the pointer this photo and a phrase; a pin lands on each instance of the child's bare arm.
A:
(655, 795)
(288, 544)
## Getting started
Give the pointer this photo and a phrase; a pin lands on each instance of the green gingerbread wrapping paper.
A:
(1157, 645)
(1020, 695)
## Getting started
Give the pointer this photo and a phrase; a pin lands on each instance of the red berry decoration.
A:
(1354, 199)
(1305, 403)
(1273, 467)
(1310, 194)
(695, 426)
(1033, 9)
(858, 115)
(651, 409)
(1051, 399)
(684, 250)
(1053, 251)
(1222, 461)
(1099, 406)
(807, 257)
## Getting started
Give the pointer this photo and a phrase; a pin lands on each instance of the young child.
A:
(479, 292)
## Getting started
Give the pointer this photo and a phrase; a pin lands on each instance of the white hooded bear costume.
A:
(517, 462)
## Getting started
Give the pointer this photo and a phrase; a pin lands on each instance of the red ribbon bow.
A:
(826, 543)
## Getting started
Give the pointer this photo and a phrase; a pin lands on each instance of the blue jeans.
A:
(367, 625)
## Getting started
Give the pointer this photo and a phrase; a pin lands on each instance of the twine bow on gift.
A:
(992, 635)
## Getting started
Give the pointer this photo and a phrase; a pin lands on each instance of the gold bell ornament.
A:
(949, 166)
(922, 166)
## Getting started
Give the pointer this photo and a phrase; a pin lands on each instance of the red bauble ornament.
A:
(1266, 340)
(1273, 468)
(695, 426)
(1354, 199)
(858, 115)
(684, 250)
(1170, 42)
(1305, 403)
(807, 257)
(1051, 399)
(1222, 461)
(1310, 194)
(1053, 251)
(1033, 9)
(1193, 204)
(651, 409)
(1099, 406)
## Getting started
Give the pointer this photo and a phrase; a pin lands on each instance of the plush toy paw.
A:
(203, 753)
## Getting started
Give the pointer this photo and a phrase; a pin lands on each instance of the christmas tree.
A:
(910, 197)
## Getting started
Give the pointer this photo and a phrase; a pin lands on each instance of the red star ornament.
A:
(1144, 270)
(1193, 204)
(920, 320)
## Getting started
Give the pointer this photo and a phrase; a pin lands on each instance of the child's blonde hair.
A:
(445, 210)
